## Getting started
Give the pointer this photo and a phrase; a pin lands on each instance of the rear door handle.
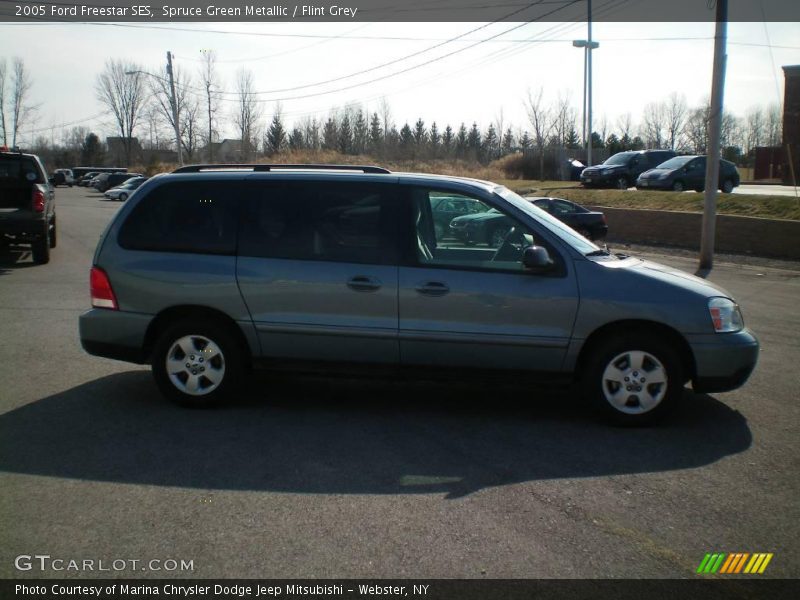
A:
(361, 283)
(432, 288)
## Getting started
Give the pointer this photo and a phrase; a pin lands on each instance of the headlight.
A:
(725, 315)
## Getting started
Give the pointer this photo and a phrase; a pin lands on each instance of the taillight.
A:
(38, 200)
(100, 290)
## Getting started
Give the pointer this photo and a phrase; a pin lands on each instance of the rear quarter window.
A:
(18, 169)
(197, 217)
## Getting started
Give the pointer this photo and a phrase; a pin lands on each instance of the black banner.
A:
(126, 589)
(393, 11)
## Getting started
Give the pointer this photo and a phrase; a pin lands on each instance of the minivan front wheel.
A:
(197, 365)
(634, 380)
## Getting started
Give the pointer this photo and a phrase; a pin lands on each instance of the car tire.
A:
(40, 249)
(634, 402)
(53, 233)
(215, 370)
(678, 186)
(122, 197)
(622, 183)
(727, 186)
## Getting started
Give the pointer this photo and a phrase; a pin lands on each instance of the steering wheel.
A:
(511, 247)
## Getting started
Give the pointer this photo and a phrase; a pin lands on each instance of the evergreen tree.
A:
(92, 150)
(490, 144)
(597, 141)
(276, 135)
(296, 139)
(613, 144)
(525, 141)
(375, 133)
(435, 140)
(508, 142)
(448, 141)
(572, 141)
(345, 135)
(330, 135)
(360, 133)
(406, 141)
(420, 134)
(461, 141)
(637, 143)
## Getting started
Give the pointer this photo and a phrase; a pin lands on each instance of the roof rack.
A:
(295, 167)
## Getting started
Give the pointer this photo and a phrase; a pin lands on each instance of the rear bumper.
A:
(723, 361)
(23, 229)
(114, 334)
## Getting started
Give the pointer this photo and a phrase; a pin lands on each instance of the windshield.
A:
(619, 159)
(556, 227)
(675, 163)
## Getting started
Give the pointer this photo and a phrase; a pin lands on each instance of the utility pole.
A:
(714, 128)
(589, 89)
(174, 102)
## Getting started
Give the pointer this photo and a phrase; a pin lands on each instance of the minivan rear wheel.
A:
(634, 380)
(197, 364)
(727, 186)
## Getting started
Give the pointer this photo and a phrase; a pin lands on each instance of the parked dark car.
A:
(489, 227)
(85, 179)
(27, 204)
(687, 173)
(590, 224)
(63, 177)
(113, 180)
(446, 208)
(622, 169)
(82, 172)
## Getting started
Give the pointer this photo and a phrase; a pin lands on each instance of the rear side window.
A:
(16, 169)
(198, 217)
(325, 221)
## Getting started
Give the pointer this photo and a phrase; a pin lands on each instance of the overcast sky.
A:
(464, 80)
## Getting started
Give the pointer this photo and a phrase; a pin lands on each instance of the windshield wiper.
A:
(600, 252)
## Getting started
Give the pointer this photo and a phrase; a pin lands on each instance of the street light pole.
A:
(587, 46)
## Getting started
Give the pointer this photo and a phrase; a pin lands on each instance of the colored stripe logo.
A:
(735, 563)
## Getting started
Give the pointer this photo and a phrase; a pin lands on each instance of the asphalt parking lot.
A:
(339, 478)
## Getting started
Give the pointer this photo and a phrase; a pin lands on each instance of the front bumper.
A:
(723, 361)
(599, 179)
(653, 184)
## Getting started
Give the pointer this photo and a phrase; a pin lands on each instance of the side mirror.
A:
(536, 259)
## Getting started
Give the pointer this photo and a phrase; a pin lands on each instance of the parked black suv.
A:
(622, 169)
(27, 204)
(115, 179)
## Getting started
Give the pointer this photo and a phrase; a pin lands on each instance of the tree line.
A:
(139, 104)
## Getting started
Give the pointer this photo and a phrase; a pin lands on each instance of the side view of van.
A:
(213, 269)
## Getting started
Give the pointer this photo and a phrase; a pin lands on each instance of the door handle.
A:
(361, 283)
(432, 288)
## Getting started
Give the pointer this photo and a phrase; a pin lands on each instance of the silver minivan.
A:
(213, 269)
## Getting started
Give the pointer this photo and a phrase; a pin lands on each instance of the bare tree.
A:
(774, 131)
(211, 85)
(247, 112)
(3, 99)
(654, 123)
(625, 126)
(123, 96)
(541, 121)
(755, 124)
(564, 118)
(386, 117)
(696, 128)
(20, 106)
(675, 113)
